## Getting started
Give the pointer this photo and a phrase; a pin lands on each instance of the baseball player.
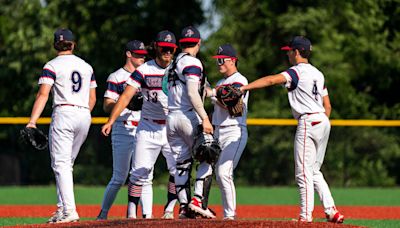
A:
(151, 134)
(186, 113)
(73, 85)
(124, 129)
(309, 100)
(230, 131)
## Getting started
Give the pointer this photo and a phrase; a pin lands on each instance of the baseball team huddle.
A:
(158, 106)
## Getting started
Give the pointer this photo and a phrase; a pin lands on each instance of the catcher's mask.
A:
(206, 148)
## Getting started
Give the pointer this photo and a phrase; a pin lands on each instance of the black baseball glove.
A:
(231, 97)
(34, 137)
(136, 102)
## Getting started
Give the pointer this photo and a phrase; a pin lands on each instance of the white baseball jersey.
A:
(189, 68)
(306, 87)
(115, 86)
(69, 77)
(148, 77)
(221, 116)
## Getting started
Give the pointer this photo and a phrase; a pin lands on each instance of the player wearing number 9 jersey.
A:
(309, 100)
(72, 83)
(151, 133)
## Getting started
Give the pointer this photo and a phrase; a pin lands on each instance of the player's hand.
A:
(207, 127)
(31, 125)
(106, 129)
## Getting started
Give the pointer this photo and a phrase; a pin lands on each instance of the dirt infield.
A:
(198, 223)
(243, 211)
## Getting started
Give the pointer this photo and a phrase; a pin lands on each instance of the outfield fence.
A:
(250, 121)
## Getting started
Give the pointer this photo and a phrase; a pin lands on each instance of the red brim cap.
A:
(189, 40)
(223, 57)
(140, 52)
(166, 44)
(286, 48)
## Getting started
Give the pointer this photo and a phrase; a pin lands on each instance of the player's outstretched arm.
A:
(266, 81)
(40, 102)
(121, 104)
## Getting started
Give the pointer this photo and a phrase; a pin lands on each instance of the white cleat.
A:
(58, 214)
(69, 216)
(168, 215)
(196, 206)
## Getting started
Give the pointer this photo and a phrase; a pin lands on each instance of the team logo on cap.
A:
(310, 47)
(141, 46)
(168, 38)
(220, 50)
(189, 33)
(61, 38)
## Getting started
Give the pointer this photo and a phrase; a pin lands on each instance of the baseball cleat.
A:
(227, 218)
(185, 213)
(69, 216)
(196, 206)
(58, 214)
(300, 219)
(335, 217)
(168, 215)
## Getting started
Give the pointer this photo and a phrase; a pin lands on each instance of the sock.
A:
(134, 193)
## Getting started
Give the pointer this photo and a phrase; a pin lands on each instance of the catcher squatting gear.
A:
(231, 97)
(34, 137)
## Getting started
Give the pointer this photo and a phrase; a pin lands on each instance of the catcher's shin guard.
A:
(183, 190)
(206, 190)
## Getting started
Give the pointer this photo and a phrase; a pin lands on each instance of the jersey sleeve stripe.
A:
(192, 71)
(93, 78)
(46, 73)
(137, 76)
(295, 79)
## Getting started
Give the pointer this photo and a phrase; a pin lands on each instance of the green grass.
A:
(46, 195)
(245, 195)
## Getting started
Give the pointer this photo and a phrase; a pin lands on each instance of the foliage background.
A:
(355, 43)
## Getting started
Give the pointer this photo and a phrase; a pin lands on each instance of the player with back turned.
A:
(124, 129)
(151, 134)
(309, 100)
(186, 113)
(72, 83)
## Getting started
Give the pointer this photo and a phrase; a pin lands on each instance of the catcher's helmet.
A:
(206, 148)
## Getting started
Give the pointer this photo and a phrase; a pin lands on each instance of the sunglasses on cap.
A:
(221, 61)
(138, 56)
(167, 49)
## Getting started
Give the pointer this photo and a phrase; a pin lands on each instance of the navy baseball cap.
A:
(136, 47)
(300, 43)
(225, 51)
(63, 34)
(166, 38)
(190, 35)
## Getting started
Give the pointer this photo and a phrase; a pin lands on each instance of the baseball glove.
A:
(136, 102)
(34, 137)
(231, 97)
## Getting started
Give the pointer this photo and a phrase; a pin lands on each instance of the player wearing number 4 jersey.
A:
(310, 105)
(72, 83)
(151, 134)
